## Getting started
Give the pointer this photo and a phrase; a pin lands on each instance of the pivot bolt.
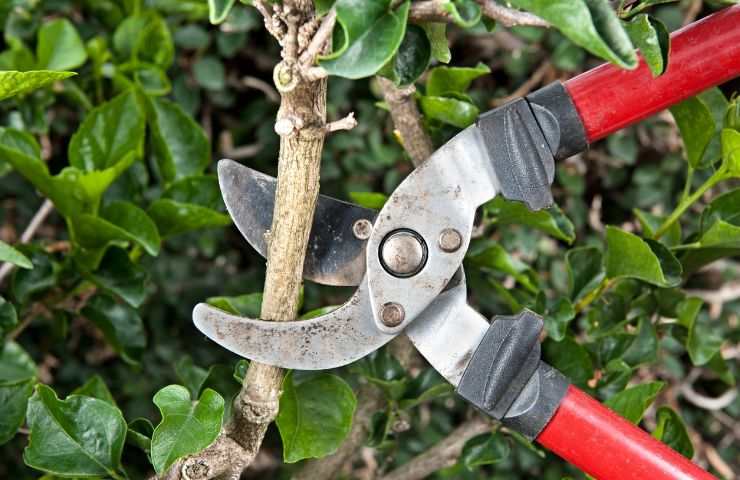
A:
(450, 240)
(403, 253)
(362, 229)
(392, 314)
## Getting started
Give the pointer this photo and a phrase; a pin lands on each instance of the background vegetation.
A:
(112, 214)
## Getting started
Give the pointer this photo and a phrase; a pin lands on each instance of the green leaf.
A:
(191, 375)
(15, 364)
(558, 318)
(644, 348)
(452, 111)
(247, 305)
(412, 58)
(139, 434)
(592, 24)
(118, 275)
(14, 83)
(372, 33)
(95, 387)
(491, 255)
(218, 10)
(426, 386)
(651, 37)
(145, 37)
(181, 145)
(486, 449)
(551, 221)
(26, 284)
(77, 437)
(697, 127)
(59, 46)
(138, 226)
(372, 200)
(629, 256)
(672, 431)
(731, 151)
(174, 218)
(585, 271)
(650, 223)
(315, 415)
(702, 342)
(615, 376)
(437, 35)
(121, 326)
(382, 369)
(209, 72)
(632, 402)
(110, 134)
(570, 358)
(464, 13)
(450, 80)
(8, 318)
(187, 427)
(11, 255)
(14, 399)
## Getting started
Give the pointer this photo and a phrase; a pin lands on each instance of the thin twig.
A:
(347, 123)
(701, 401)
(443, 454)
(319, 40)
(436, 11)
(262, 86)
(38, 219)
(525, 87)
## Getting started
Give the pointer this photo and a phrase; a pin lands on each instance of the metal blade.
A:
(335, 255)
(331, 340)
(448, 332)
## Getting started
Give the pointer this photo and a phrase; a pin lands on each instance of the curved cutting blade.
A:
(331, 340)
(334, 255)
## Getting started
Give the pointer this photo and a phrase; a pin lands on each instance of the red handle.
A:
(703, 54)
(608, 447)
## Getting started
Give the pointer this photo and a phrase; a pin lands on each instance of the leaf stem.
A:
(687, 186)
(606, 284)
(685, 203)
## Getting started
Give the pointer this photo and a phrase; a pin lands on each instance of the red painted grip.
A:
(703, 54)
(608, 447)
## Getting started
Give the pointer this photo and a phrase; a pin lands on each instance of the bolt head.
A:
(403, 253)
(392, 314)
(450, 240)
(362, 229)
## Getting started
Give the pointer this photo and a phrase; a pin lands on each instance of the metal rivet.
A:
(392, 314)
(450, 240)
(362, 229)
(403, 253)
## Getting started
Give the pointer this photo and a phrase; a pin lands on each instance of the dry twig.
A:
(38, 219)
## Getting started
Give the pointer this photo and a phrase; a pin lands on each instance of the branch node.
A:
(312, 74)
(195, 469)
(284, 77)
(288, 125)
(259, 412)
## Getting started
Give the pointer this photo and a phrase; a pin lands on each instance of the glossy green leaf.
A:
(14, 399)
(731, 151)
(182, 147)
(372, 33)
(632, 402)
(191, 375)
(644, 348)
(15, 364)
(135, 222)
(372, 200)
(382, 369)
(118, 275)
(650, 223)
(218, 10)
(592, 24)
(551, 221)
(95, 387)
(697, 127)
(27, 284)
(437, 34)
(491, 255)
(558, 317)
(11, 255)
(585, 271)
(76, 437)
(615, 376)
(111, 133)
(247, 305)
(121, 326)
(464, 13)
(651, 37)
(426, 386)
(570, 358)
(486, 449)
(187, 427)
(629, 256)
(145, 37)
(173, 218)
(452, 111)
(14, 83)
(703, 341)
(446, 80)
(139, 434)
(672, 431)
(412, 58)
(59, 46)
(8, 317)
(315, 415)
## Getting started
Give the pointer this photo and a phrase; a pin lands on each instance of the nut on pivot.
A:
(450, 240)
(392, 314)
(403, 253)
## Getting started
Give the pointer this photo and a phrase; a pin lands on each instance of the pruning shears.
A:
(406, 259)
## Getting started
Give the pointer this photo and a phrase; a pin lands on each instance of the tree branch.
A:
(38, 219)
(435, 11)
(444, 454)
